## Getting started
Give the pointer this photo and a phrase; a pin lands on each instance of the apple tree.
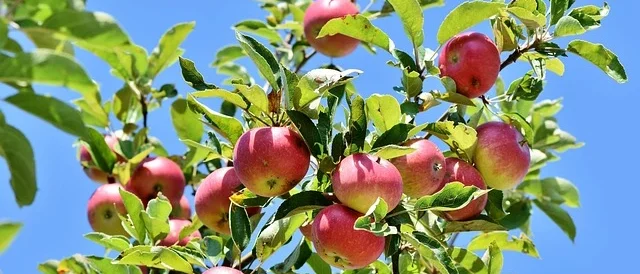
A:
(369, 188)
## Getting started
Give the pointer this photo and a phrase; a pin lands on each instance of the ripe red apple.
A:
(182, 210)
(93, 172)
(472, 60)
(359, 180)
(502, 155)
(422, 170)
(175, 226)
(212, 199)
(155, 175)
(103, 208)
(339, 244)
(457, 170)
(222, 270)
(270, 161)
(307, 231)
(318, 14)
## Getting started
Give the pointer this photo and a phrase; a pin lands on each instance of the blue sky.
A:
(597, 111)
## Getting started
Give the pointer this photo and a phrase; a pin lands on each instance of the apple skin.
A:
(155, 175)
(212, 199)
(422, 170)
(472, 60)
(318, 14)
(339, 244)
(95, 173)
(460, 171)
(359, 180)
(175, 226)
(270, 161)
(502, 155)
(182, 210)
(307, 231)
(222, 270)
(103, 208)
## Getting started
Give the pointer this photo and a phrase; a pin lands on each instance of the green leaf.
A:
(126, 105)
(314, 85)
(318, 265)
(228, 96)
(259, 28)
(412, 18)
(88, 28)
(156, 257)
(50, 109)
(393, 151)
(377, 267)
(117, 243)
(372, 220)
(431, 250)
(461, 138)
(134, 209)
(558, 216)
(101, 153)
(74, 264)
(522, 244)
(213, 247)
(128, 62)
(229, 127)
(309, 132)
(185, 121)
(240, 226)
(276, 234)
(245, 198)
(527, 87)
(228, 54)
(468, 260)
(555, 189)
(493, 258)
(568, 26)
(192, 76)
(452, 96)
(264, 60)
(465, 16)
(296, 259)
(481, 223)
(558, 8)
(165, 53)
(520, 123)
(452, 196)
(383, 111)
(360, 28)
(300, 203)
(49, 267)
(8, 231)
(411, 83)
(601, 57)
(195, 225)
(256, 96)
(105, 265)
(531, 19)
(357, 125)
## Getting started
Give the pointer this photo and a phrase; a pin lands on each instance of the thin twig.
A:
(304, 61)
(453, 239)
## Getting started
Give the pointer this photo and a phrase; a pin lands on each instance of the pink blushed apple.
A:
(359, 180)
(93, 172)
(155, 175)
(182, 210)
(457, 170)
(103, 208)
(317, 15)
(175, 226)
(502, 155)
(422, 170)
(472, 60)
(270, 161)
(222, 270)
(339, 244)
(212, 199)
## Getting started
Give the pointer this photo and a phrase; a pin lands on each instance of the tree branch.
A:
(304, 61)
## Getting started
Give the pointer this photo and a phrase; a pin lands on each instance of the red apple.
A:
(103, 208)
(339, 244)
(270, 161)
(212, 199)
(222, 270)
(175, 226)
(502, 155)
(318, 14)
(359, 180)
(182, 210)
(472, 60)
(457, 170)
(307, 231)
(155, 175)
(422, 170)
(93, 172)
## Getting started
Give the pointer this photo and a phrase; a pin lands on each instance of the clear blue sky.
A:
(597, 111)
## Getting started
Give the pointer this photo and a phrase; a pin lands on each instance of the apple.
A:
(457, 170)
(222, 270)
(422, 170)
(212, 199)
(502, 155)
(175, 226)
(472, 60)
(339, 244)
(93, 172)
(270, 161)
(157, 174)
(359, 180)
(307, 231)
(317, 15)
(103, 208)
(181, 210)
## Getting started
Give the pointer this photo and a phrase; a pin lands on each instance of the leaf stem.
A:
(395, 263)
